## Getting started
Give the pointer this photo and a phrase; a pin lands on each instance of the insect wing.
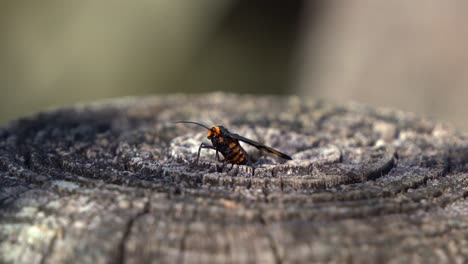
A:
(260, 146)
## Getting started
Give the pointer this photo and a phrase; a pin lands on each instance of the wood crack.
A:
(121, 250)
(271, 240)
(344, 183)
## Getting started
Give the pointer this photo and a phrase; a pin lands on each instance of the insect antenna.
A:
(191, 122)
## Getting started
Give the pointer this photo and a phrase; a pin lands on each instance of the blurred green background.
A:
(406, 55)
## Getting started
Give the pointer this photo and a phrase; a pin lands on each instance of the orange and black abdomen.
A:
(235, 154)
(231, 150)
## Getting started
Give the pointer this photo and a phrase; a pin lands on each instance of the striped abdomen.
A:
(235, 154)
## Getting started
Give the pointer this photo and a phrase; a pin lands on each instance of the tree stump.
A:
(112, 182)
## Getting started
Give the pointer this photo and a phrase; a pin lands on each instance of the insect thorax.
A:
(222, 143)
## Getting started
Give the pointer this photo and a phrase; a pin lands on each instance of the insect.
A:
(227, 144)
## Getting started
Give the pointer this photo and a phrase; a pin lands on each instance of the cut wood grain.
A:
(113, 182)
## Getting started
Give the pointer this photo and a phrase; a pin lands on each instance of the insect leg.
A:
(217, 155)
(220, 169)
(203, 145)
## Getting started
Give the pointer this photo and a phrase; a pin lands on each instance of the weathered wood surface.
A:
(111, 182)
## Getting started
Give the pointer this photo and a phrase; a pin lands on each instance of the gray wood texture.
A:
(111, 182)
